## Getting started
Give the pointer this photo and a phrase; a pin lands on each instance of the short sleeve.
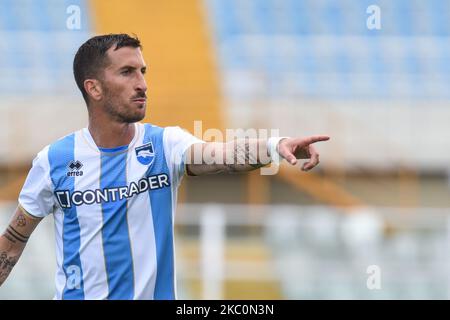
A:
(36, 196)
(176, 142)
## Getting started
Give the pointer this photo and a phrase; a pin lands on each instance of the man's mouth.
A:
(140, 100)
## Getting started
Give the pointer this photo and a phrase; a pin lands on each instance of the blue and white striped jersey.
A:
(113, 211)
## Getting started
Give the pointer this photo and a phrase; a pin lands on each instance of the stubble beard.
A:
(120, 114)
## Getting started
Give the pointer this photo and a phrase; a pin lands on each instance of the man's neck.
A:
(111, 134)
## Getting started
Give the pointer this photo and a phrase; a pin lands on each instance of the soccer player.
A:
(112, 186)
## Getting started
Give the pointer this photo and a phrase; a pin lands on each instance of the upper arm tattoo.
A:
(12, 235)
(21, 227)
(21, 221)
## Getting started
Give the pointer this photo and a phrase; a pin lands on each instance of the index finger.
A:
(313, 139)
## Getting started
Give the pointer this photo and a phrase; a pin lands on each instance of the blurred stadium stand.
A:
(313, 66)
(37, 47)
(39, 98)
(380, 196)
(317, 49)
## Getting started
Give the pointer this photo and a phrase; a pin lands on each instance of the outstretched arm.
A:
(242, 155)
(14, 239)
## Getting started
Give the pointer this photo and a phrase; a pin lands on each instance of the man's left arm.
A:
(242, 155)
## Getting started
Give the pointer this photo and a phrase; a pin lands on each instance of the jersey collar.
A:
(91, 143)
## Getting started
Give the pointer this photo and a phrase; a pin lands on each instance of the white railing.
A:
(311, 251)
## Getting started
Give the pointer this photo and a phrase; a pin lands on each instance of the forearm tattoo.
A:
(245, 159)
(240, 155)
(12, 244)
(6, 265)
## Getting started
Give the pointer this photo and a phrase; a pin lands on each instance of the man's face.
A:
(123, 84)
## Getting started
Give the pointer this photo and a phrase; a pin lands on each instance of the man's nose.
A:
(141, 84)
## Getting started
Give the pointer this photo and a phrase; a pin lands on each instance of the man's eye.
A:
(125, 72)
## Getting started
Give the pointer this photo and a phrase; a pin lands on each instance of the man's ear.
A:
(93, 88)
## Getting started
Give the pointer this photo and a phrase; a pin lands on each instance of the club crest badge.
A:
(145, 154)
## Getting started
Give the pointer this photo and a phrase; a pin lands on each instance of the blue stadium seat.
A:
(37, 48)
(328, 48)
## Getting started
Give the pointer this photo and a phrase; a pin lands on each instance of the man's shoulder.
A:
(151, 129)
(149, 125)
(64, 142)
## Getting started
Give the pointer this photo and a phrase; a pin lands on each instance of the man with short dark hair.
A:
(111, 187)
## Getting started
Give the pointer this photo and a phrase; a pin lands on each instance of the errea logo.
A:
(73, 168)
